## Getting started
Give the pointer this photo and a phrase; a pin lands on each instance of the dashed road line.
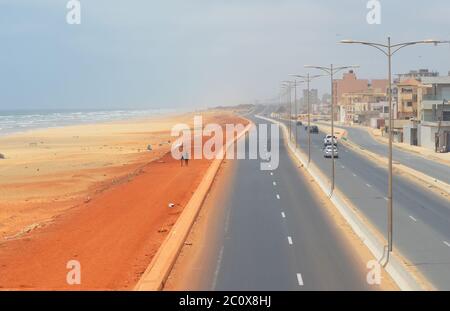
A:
(446, 243)
(415, 220)
(274, 183)
(278, 196)
(290, 240)
(283, 215)
(216, 272)
(354, 175)
(368, 185)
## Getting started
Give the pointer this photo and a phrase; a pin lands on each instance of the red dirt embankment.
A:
(114, 235)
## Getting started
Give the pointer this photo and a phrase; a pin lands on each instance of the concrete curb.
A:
(397, 267)
(159, 269)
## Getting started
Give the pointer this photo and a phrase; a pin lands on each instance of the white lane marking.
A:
(283, 215)
(368, 185)
(270, 166)
(300, 279)
(278, 196)
(386, 199)
(274, 183)
(354, 175)
(415, 220)
(343, 166)
(446, 243)
(271, 173)
(290, 240)
(216, 272)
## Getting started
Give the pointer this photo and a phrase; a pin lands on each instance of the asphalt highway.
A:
(421, 218)
(272, 233)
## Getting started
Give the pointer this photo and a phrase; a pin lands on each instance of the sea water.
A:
(26, 120)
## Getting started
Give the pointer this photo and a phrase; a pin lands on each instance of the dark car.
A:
(314, 129)
(299, 123)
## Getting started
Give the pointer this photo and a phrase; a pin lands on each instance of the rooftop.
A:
(436, 80)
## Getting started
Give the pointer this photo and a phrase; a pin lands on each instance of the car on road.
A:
(314, 129)
(299, 123)
(328, 151)
(328, 140)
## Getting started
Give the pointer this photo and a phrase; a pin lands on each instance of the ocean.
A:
(23, 120)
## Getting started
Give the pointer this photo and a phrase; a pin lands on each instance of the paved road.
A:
(429, 167)
(421, 219)
(275, 235)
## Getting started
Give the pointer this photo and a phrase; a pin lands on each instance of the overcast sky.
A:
(196, 53)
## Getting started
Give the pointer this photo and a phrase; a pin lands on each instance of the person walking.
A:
(186, 158)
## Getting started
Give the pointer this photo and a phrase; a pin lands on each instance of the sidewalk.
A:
(425, 152)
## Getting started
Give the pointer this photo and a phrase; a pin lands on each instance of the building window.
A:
(409, 104)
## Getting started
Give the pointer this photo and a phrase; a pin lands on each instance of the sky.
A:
(185, 54)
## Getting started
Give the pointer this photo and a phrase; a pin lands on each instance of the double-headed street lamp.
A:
(331, 71)
(289, 86)
(308, 78)
(389, 50)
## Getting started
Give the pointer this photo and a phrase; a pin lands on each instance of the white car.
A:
(327, 151)
(327, 140)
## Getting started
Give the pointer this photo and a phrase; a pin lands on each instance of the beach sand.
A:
(47, 171)
(92, 193)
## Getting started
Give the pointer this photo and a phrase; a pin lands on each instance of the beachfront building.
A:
(434, 128)
(361, 107)
(353, 97)
(417, 75)
(408, 99)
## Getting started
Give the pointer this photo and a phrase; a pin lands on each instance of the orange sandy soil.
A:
(113, 228)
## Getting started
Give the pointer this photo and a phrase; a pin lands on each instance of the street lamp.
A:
(308, 78)
(331, 71)
(389, 50)
(289, 84)
(296, 83)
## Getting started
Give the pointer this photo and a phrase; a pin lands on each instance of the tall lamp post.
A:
(296, 83)
(286, 86)
(331, 71)
(389, 50)
(289, 86)
(308, 78)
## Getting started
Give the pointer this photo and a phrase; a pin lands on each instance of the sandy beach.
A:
(94, 193)
(47, 171)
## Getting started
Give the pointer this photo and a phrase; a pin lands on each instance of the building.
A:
(408, 99)
(434, 127)
(353, 95)
(417, 75)
(361, 107)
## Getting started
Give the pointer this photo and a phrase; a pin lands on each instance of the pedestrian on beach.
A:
(186, 158)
